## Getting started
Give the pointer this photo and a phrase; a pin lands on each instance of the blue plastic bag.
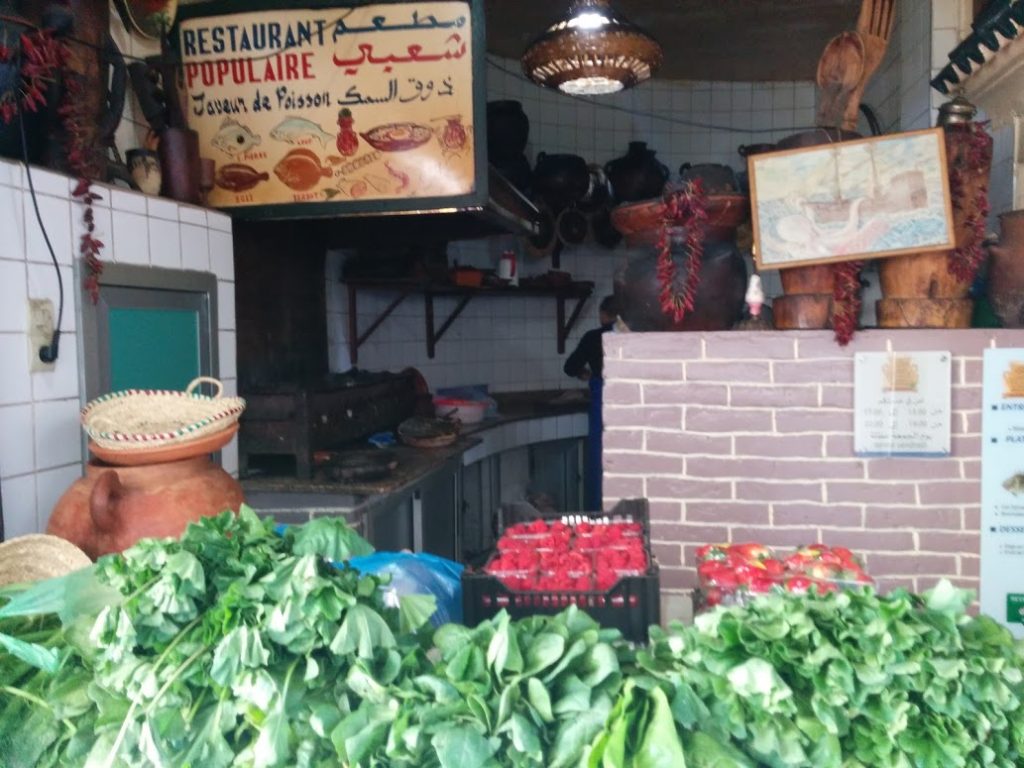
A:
(420, 574)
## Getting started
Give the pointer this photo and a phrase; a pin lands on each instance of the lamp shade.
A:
(592, 51)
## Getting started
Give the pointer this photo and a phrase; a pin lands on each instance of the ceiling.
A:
(753, 40)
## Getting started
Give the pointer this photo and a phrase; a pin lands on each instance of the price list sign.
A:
(902, 403)
(1002, 488)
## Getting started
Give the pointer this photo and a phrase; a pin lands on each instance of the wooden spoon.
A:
(875, 27)
(840, 69)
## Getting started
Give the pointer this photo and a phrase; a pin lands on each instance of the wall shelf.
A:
(576, 291)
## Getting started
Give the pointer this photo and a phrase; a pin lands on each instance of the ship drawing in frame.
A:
(862, 199)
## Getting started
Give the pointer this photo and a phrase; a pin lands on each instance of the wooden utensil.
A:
(875, 27)
(840, 69)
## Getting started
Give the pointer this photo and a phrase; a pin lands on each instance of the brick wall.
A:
(749, 436)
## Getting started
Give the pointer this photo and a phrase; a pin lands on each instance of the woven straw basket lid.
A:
(38, 556)
(134, 419)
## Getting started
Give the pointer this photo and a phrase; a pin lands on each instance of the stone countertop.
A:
(414, 464)
(417, 464)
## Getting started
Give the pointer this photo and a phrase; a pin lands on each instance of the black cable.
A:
(47, 354)
(655, 115)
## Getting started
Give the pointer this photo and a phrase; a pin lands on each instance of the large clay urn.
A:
(718, 303)
(111, 508)
(1006, 270)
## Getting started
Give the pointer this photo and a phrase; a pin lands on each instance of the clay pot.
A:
(641, 222)
(637, 175)
(561, 180)
(1006, 270)
(508, 130)
(111, 508)
(179, 163)
(144, 166)
(719, 301)
(716, 178)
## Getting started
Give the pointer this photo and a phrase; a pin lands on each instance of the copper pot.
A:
(111, 508)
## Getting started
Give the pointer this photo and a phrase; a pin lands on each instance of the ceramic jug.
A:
(111, 508)
(1006, 270)
(637, 175)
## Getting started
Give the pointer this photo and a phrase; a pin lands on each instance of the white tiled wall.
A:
(40, 437)
(923, 37)
(511, 343)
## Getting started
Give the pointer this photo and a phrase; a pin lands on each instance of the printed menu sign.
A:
(902, 404)
(1002, 487)
(333, 104)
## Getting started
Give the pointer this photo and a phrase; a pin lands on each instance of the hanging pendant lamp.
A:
(592, 51)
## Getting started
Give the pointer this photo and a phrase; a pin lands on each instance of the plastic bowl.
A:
(466, 411)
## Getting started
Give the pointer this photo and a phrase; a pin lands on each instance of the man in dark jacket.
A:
(587, 363)
(587, 360)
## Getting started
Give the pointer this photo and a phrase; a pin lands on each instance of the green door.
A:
(153, 348)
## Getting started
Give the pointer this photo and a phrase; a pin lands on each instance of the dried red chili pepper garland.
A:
(42, 57)
(685, 208)
(846, 300)
(969, 149)
(78, 157)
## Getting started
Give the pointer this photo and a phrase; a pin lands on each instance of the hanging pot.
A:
(508, 130)
(572, 226)
(637, 175)
(718, 303)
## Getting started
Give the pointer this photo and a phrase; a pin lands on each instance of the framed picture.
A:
(863, 199)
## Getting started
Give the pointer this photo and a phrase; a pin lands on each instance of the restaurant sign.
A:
(333, 105)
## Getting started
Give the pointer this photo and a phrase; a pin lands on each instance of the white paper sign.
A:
(902, 403)
(1002, 488)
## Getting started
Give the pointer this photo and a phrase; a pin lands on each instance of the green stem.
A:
(149, 707)
(27, 697)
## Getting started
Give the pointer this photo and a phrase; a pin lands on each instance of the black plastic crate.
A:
(631, 605)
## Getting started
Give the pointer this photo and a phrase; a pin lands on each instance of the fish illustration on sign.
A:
(1015, 484)
(233, 138)
(235, 177)
(301, 170)
(299, 130)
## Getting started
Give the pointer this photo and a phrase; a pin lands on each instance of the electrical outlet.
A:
(40, 332)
